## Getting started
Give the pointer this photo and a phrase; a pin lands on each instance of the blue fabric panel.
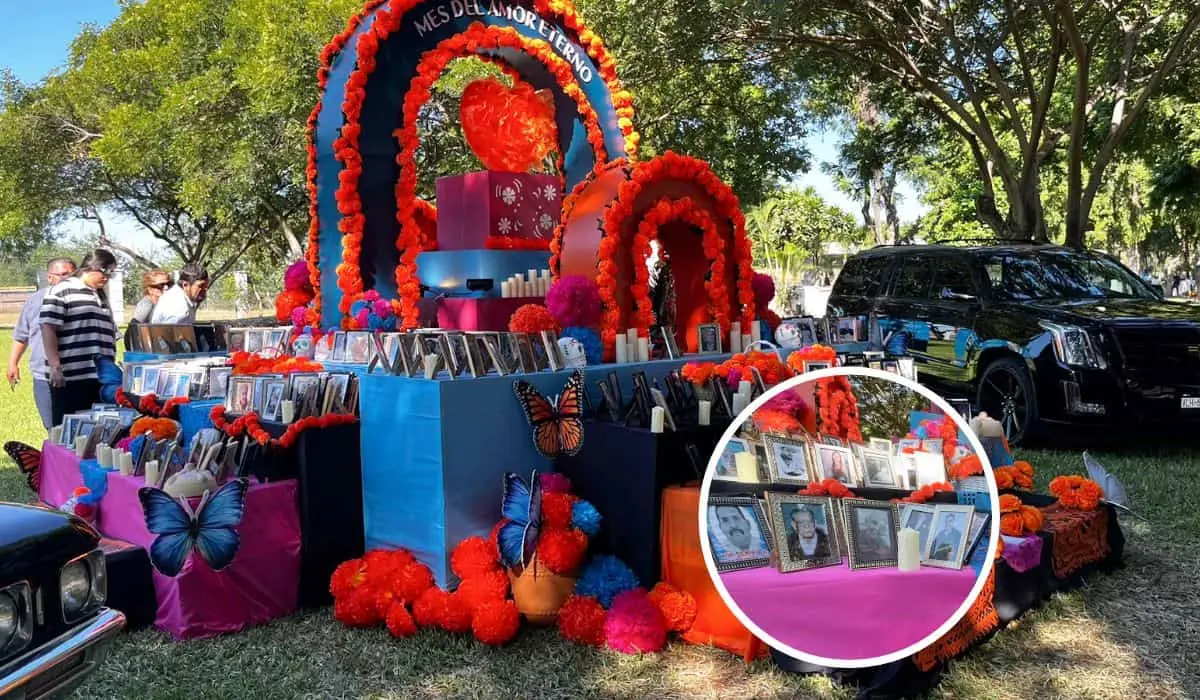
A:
(449, 270)
(360, 370)
(434, 453)
(402, 475)
(194, 417)
(131, 356)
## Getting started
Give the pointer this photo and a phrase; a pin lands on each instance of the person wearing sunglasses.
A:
(78, 327)
(154, 283)
(178, 305)
(28, 335)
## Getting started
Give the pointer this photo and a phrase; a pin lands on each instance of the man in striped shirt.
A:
(77, 325)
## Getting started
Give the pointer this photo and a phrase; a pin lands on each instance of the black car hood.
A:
(1115, 311)
(31, 537)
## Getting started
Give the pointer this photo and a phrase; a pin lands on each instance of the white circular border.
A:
(938, 633)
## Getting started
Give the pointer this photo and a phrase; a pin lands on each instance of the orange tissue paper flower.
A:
(427, 610)
(495, 622)
(581, 620)
(532, 319)
(562, 550)
(509, 129)
(474, 556)
(347, 576)
(1076, 492)
(1004, 478)
(400, 622)
(357, 609)
(556, 510)
(479, 589)
(678, 607)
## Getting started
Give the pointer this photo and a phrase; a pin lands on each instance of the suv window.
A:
(952, 276)
(861, 277)
(914, 279)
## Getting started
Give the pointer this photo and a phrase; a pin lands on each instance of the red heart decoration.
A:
(508, 129)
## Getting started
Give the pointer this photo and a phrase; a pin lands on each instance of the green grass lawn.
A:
(1132, 634)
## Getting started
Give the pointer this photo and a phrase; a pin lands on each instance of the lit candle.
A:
(152, 473)
(643, 349)
(747, 467)
(80, 446)
(288, 409)
(705, 417)
(657, 417)
(622, 356)
(909, 553)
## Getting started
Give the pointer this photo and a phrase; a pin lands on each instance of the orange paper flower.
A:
(1076, 492)
(966, 467)
(509, 129)
(927, 492)
(812, 353)
(828, 487)
(1018, 519)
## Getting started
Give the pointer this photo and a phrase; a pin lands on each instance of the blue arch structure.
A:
(422, 28)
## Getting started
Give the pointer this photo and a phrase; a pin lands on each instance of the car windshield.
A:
(1060, 274)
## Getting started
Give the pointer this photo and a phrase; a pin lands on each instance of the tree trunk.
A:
(876, 201)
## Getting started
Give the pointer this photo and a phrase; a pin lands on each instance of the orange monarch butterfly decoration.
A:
(29, 462)
(558, 423)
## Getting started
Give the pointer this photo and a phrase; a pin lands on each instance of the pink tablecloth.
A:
(60, 474)
(261, 584)
(836, 613)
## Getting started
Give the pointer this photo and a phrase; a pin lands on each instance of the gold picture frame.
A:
(872, 542)
(785, 513)
(782, 453)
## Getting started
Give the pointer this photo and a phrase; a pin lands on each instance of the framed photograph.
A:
(808, 331)
(708, 337)
(932, 445)
(812, 366)
(890, 366)
(206, 337)
(185, 340)
(880, 445)
(908, 444)
(877, 469)
(930, 466)
(323, 348)
(254, 340)
(670, 343)
(948, 537)
(275, 338)
(339, 347)
(832, 440)
(737, 533)
(871, 528)
(335, 390)
(218, 382)
(237, 340)
(133, 378)
(299, 383)
(549, 347)
(804, 531)
(979, 522)
(358, 347)
(835, 462)
(183, 385)
(787, 460)
(149, 380)
(919, 517)
(273, 399)
(240, 398)
(727, 464)
(161, 339)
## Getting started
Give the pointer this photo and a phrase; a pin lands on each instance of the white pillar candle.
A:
(745, 388)
(104, 456)
(908, 550)
(533, 275)
(746, 342)
(622, 355)
(288, 409)
(756, 330)
(80, 446)
(643, 349)
(631, 351)
(504, 289)
(657, 417)
(56, 434)
(631, 336)
(152, 473)
(542, 285)
(747, 467)
(125, 463)
(739, 404)
(705, 417)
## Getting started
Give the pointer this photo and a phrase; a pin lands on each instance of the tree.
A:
(1016, 81)
(186, 116)
(884, 406)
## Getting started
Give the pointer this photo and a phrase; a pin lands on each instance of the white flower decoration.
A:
(549, 192)
(546, 222)
(509, 195)
(504, 226)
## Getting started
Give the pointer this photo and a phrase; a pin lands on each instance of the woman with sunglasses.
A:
(77, 327)
(154, 282)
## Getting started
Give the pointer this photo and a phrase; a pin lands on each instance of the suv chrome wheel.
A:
(1006, 394)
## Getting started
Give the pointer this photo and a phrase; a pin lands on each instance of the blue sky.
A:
(43, 34)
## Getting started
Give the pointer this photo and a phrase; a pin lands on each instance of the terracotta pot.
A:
(539, 593)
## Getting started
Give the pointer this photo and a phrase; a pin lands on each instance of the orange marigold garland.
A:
(248, 425)
(769, 420)
(927, 492)
(966, 467)
(1018, 519)
(158, 428)
(247, 363)
(812, 353)
(148, 404)
(698, 373)
(837, 409)
(1076, 492)
(827, 487)
(768, 364)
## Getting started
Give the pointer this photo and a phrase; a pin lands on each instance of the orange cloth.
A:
(683, 566)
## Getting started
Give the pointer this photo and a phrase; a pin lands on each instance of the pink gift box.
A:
(473, 206)
(486, 314)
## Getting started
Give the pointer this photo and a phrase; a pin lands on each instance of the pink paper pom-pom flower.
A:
(371, 295)
(382, 308)
(764, 290)
(574, 301)
(295, 277)
(634, 625)
(362, 318)
(555, 483)
(300, 316)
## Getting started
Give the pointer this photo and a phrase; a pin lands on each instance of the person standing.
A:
(28, 335)
(154, 283)
(178, 304)
(78, 327)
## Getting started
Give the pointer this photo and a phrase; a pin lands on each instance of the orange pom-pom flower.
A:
(411, 581)
(357, 608)
(483, 588)
(346, 577)
(474, 556)
(562, 550)
(496, 622)
(678, 607)
(532, 319)
(399, 622)
(427, 610)
(581, 620)
(556, 511)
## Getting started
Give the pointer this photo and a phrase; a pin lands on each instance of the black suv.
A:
(1036, 335)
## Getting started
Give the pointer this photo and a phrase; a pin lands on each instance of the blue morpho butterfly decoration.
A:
(522, 507)
(210, 529)
(110, 376)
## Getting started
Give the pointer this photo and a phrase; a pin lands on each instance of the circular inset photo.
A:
(850, 517)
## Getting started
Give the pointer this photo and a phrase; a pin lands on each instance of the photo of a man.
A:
(806, 539)
(947, 544)
(873, 539)
(790, 460)
(735, 536)
(878, 470)
(919, 520)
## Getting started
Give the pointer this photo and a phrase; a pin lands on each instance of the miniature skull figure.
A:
(787, 336)
(573, 353)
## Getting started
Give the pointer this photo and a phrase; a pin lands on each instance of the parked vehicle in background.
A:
(54, 628)
(1035, 335)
